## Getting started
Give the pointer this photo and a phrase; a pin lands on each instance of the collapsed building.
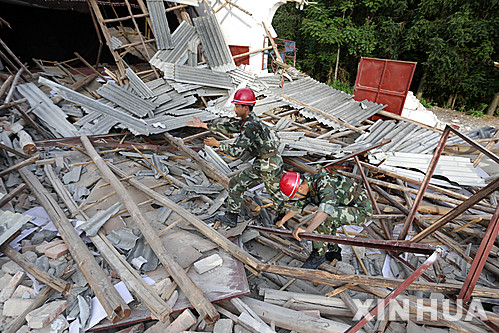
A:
(108, 199)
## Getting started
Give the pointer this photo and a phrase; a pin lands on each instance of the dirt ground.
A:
(463, 120)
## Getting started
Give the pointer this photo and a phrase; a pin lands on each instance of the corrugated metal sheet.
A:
(129, 101)
(323, 97)
(138, 86)
(52, 115)
(298, 141)
(163, 123)
(455, 168)
(214, 45)
(136, 125)
(159, 24)
(215, 159)
(408, 137)
(10, 223)
(198, 76)
(185, 40)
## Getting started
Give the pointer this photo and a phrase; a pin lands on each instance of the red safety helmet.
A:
(244, 96)
(289, 183)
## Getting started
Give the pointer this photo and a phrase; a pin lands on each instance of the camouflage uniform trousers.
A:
(358, 213)
(249, 178)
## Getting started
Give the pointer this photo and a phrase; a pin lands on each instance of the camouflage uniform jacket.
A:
(328, 190)
(255, 137)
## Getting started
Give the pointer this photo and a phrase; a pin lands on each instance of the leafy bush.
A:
(479, 112)
(343, 86)
(427, 103)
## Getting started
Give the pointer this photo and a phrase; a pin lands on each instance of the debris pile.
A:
(108, 203)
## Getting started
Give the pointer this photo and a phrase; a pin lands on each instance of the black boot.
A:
(314, 260)
(334, 254)
(229, 219)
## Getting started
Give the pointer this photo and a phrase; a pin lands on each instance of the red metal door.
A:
(238, 49)
(384, 81)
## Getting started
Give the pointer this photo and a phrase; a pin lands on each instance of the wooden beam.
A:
(127, 273)
(194, 294)
(12, 194)
(207, 167)
(20, 165)
(54, 282)
(272, 42)
(111, 301)
(15, 325)
(327, 278)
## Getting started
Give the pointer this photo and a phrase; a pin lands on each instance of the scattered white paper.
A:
(98, 313)
(387, 271)
(75, 326)
(41, 218)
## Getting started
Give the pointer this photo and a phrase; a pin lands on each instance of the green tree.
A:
(453, 41)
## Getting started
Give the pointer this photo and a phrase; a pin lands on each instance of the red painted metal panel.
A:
(384, 81)
(238, 49)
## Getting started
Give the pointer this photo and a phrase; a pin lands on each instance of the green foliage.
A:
(426, 103)
(480, 112)
(343, 86)
(453, 41)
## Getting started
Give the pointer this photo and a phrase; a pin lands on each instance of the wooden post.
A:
(111, 301)
(19, 165)
(54, 282)
(206, 230)
(127, 273)
(193, 293)
(40, 299)
(207, 167)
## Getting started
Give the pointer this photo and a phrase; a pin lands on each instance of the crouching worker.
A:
(257, 140)
(340, 201)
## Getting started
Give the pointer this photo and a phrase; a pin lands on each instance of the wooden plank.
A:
(19, 165)
(40, 299)
(293, 320)
(193, 293)
(12, 194)
(127, 273)
(111, 301)
(206, 230)
(54, 282)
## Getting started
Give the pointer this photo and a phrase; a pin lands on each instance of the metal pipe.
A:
(417, 273)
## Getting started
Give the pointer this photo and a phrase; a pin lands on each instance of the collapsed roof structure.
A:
(108, 199)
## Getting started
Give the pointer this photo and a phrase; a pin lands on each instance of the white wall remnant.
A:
(241, 29)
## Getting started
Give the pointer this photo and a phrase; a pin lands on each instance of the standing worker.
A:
(340, 201)
(259, 141)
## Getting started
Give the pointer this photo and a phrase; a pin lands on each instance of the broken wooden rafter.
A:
(15, 325)
(54, 282)
(111, 301)
(127, 273)
(193, 293)
(206, 230)
(12, 194)
(20, 165)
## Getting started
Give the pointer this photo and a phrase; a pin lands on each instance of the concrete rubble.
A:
(149, 229)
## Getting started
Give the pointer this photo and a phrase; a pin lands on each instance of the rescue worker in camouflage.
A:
(258, 141)
(340, 201)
